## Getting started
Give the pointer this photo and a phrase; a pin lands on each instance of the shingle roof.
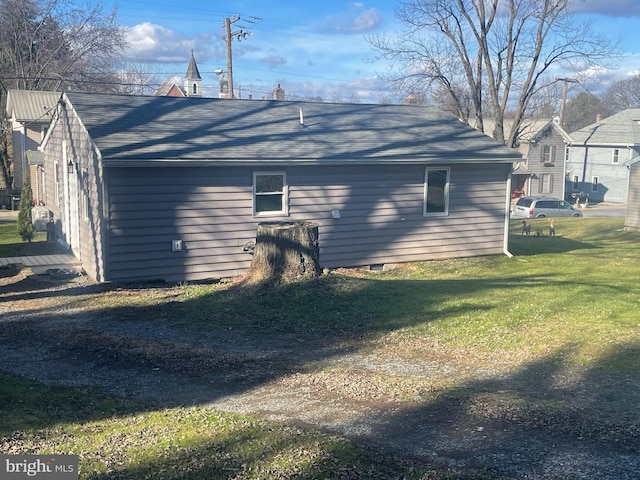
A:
(31, 105)
(620, 129)
(143, 129)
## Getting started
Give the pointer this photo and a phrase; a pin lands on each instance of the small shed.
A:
(174, 188)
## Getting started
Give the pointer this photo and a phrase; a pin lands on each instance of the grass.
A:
(11, 245)
(571, 299)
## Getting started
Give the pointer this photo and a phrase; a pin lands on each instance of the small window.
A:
(575, 185)
(436, 192)
(548, 154)
(594, 184)
(269, 193)
(566, 154)
(615, 158)
(195, 88)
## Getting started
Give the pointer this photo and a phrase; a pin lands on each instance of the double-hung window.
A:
(269, 193)
(615, 156)
(436, 191)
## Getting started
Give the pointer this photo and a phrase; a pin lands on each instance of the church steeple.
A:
(193, 80)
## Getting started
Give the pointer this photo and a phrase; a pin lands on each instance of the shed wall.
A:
(81, 229)
(633, 202)
(381, 217)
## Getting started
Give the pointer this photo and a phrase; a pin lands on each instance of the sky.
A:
(310, 49)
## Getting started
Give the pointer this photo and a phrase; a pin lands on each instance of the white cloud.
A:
(155, 43)
(354, 21)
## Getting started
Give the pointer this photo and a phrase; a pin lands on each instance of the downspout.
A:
(507, 217)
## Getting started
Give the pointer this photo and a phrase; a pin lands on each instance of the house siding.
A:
(552, 172)
(84, 235)
(633, 204)
(612, 178)
(211, 210)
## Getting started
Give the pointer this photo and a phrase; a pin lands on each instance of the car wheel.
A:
(575, 215)
(542, 215)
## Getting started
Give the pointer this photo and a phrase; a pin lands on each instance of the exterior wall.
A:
(211, 210)
(547, 176)
(612, 178)
(24, 138)
(76, 201)
(633, 203)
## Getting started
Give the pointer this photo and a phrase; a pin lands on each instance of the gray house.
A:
(632, 220)
(600, 155)
(174, 188)
(546, 161)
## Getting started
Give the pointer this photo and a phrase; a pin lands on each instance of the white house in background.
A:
(600, 156)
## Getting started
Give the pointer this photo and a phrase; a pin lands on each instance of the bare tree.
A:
(55, 45)
(623, 94)
(501, 49)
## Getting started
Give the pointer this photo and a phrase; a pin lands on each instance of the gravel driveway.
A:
(486, 419)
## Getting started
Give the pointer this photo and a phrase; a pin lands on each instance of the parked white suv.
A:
(538, 207)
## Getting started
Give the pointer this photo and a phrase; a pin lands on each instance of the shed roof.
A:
(145, 129)
(623, 128)
(31, 105)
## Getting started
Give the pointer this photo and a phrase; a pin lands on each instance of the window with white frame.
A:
(615, 156)
(594, 184)
(269, 193)
(436, 191)
(56, 181)
(85, 195)
(575, 185)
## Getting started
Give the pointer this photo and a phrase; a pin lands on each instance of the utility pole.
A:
(565, 88)
(229, 36)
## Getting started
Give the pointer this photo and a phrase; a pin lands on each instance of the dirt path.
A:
(475, 417)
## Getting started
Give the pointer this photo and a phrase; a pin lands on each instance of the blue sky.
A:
(311, 49)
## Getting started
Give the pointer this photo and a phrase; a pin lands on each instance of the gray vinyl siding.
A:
(612, 178)
(88, 248)
(633, 202)
(210, 209)
(554, 169)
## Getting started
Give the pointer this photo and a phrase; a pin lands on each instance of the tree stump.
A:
(285, 251)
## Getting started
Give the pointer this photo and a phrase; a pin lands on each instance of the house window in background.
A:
(269, 193)
(575, 185)
(594, 184)
(548, 154)
(615, 158)
(436, 192)
(545, 185)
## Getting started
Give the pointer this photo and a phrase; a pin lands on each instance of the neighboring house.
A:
(174, 188)
(632, 220)
(546, 161)
(600, 155)
(29, 113)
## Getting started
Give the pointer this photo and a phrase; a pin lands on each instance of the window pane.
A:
(268, 203)
(269, 183)
(436, 191)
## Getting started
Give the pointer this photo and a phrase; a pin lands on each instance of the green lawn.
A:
(11, 245)
(572, 300)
